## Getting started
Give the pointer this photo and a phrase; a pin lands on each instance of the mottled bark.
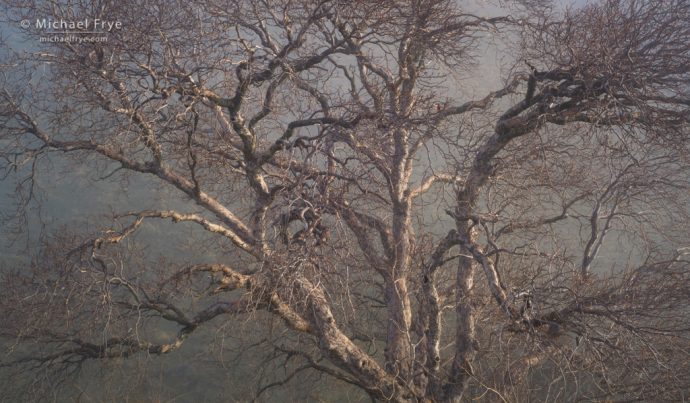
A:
(465, 343)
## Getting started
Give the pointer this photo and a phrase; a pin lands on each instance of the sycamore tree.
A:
(402, 221)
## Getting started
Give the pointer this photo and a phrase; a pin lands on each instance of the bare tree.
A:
(406, 238)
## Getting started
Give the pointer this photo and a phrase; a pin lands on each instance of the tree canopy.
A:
(385, 209)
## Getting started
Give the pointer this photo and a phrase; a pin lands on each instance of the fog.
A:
(223, 361)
